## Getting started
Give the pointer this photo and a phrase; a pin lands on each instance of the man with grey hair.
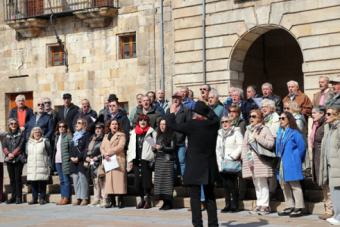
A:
(236, 99)
(214, 102)
(186, 101)
(297, 96)
(21, 112)
(88, 114)
(41, 119)
(267, 91)
(162, 101)
(320, 98)
(252, 96)
(334, 98)
(50, 111)
(134, 110)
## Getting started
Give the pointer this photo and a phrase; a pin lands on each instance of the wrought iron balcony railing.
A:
(23, 9)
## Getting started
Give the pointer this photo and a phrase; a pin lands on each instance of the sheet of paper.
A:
(151, 141)
(258, 101)
(112, 164)
(93, 119)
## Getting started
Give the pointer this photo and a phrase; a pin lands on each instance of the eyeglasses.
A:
(79, 123)
(265, 107)
(329, 114)
(287, 108)
(98, 127)
(62, 126)
(40, 104)
(203, 89)
(282, 118)
(252, 116)
(222, 122)
(13, 124)
(47, 102)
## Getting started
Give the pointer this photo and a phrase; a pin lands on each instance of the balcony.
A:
(29, 17)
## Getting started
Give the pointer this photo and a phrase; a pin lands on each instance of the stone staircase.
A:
(312, 193)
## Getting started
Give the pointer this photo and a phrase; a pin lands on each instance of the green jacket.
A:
(65, 145)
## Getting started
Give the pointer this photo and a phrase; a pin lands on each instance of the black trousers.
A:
(229, 185)
(15, 173)
(195, 202)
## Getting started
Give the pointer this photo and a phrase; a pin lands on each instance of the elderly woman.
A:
(38, 151)
(164, 165)
(317, 133)
(116, 179)
(2, 158)
(78, 152)
(61, 158)
(139, 156)
(293, 108)
(13, 148)
(228, 146)
(94, 157)
(259, 169)
(330, 160)
(290, 147)
(271, 120)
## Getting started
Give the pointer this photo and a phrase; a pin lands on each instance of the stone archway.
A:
(268, 54)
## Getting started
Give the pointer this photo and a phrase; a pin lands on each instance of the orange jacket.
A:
(304, 102)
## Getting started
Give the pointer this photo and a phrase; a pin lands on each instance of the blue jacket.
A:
(29, 114)
(46, 124)
(189, 103)
(160, 109)
(293, 155)
(246, 107)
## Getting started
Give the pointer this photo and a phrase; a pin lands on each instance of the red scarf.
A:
(140, 131)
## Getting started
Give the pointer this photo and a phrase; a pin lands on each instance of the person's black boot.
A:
(120, 202)
(112, 203)
(168, 205)
(162, 207)
(226, 209)
(234, 204)
(18, 200)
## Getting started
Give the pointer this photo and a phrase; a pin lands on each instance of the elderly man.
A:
(236, 99)
(252, 95)
(134, 110)
(106, 106)
(186, 101)
(191, 95)
(68, 111)
(21, 112)
(150, 110)
(201, 166)
(229, 98)
(152, 96)
(162, 101)
(88, 114)
(214, 103)
(182, 114)
(41, 119)
(50, 111)
(334, 98)
(267, 91)
(205, 89)
(297, 96)
(320, 98)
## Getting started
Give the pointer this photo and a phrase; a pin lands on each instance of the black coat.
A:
(183, 115)
(83, 144)
(95, 152)
(201, 166)
(87, 117)
(278, 103)
(14, 143)
(253, 103)
(73, 110)
(29, 114)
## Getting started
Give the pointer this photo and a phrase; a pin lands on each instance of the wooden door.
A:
(29, 99)
(35, 8)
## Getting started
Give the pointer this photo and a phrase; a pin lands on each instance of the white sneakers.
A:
(333, 221)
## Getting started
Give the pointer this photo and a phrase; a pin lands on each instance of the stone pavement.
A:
(51, 215)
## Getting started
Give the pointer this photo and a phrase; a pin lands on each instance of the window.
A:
(58, 56)
(125, 106)
(128, 46)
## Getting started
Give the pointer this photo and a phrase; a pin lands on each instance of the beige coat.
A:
(262, 167)
(37, 160)
(317, 97)
(116, 180)
(2, 137)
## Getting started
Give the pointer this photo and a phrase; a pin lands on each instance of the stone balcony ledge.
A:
(97, 17)
(31, 27)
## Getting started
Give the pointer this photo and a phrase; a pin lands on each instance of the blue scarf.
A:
(77, 135)
(115, 116)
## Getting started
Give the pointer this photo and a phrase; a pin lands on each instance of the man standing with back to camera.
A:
(201, 166)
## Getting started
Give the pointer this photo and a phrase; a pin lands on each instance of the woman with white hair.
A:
(38, 151)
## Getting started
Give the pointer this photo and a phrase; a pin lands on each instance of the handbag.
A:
(229, 166)
(261, 151)
(85, 164)
(101, 170)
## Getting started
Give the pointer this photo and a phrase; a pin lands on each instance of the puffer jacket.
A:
(334, 156)
(65, 145)
(95, 152)
(262, 167)
(229, 146)
(147, 153)
(14, 143)
(38, 152)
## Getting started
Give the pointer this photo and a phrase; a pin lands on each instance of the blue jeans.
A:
(202, 194)
(65, 183)
(179, 164)
(35, 189)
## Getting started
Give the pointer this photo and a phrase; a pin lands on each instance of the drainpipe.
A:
(162, 45)
(203, 41)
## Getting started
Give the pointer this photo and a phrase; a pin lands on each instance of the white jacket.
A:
(2, 137)
(275, 124)
(147, 153)
(232, 145)
(37, 160)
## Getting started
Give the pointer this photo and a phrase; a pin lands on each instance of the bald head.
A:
(160, 95)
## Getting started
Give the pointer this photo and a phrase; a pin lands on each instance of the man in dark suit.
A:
(201, 166)
(68, 111)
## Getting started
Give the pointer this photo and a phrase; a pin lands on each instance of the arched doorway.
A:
(271, 55)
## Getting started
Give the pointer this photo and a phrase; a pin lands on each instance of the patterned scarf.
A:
(235, 121)
(77, 135)
(252, 131)
(268, 119)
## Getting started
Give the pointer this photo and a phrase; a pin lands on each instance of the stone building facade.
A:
(247, 42)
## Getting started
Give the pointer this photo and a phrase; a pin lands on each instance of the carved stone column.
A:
(28, 28)
(97, 17)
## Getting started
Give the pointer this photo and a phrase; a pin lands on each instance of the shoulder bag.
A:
(101, 170)
(261, 151)
(229, 166)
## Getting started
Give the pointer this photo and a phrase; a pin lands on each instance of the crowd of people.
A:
(197, 144)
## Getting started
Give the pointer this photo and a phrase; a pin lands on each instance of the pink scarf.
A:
(312, 135)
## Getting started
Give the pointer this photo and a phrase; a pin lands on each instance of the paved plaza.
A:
(51, 215)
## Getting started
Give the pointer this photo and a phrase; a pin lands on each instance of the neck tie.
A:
(322, 99)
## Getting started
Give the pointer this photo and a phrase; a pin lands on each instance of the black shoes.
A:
(120, 202)
(10, 201)
(18, 201)
(33, 202)
(42, 202)
(286, 212)
(167, 205)
(296, 213)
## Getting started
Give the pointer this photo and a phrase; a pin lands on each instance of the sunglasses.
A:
(222, 122)
(287, 108)
(13, 124)
(282, 118)
(40, 104)
(252, 116)
(329, 114)
(62, 126)
(203, 89)
(47, 102)
(232, 111)
(79, 123)
(143, 120)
